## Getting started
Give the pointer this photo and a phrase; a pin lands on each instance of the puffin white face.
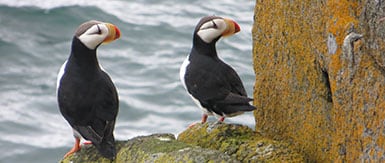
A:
(217, 27)
(211, 30)
(94, 35)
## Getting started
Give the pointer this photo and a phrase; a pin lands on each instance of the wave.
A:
(130, 12)
(44, 4)
(35, 39)
(176, 13)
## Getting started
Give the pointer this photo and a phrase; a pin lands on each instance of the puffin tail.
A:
(247, 108)
(234, 110)
(107, 147)
(105, 142)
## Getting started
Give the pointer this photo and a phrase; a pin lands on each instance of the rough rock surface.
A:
(240, 142)
(210, 142)
(152, 148)
(320, 77)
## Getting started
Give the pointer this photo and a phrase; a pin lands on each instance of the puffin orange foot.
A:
(192, 124)
(204, 119)
(74, 149)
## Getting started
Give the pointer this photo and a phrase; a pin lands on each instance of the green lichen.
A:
(239, 142)
(153, 148)
(208, 143)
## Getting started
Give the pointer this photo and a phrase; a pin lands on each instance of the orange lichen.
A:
(284, 43)
(343, 14)
(295, 77)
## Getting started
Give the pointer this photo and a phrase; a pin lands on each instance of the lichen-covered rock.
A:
(154, 148)
(320, 77)
(240, 142)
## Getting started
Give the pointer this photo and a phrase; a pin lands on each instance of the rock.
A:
(210, 142)
(240, 142)
(152, 148)
(320, 77)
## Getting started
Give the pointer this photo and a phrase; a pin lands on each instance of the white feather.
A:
(182, 71)
(208, 33)
(91, 39)
(60, 75)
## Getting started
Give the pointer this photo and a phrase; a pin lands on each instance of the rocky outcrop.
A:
(152, 148)
(240, 142)
(320, 77)
(210, 142)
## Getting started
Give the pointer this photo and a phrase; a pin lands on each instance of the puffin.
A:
(212, 84)
(86, 95)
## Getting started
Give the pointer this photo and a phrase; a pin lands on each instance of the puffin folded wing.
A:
(89, 133)
(107, 105)
(234, 110)
(233, 98)
(233, 105)
(101, 136)
(234, 80)
(96, 129)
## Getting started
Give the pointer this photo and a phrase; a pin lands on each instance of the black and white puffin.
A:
(86, 95)
(212, 84)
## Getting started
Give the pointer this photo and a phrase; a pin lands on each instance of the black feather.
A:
(216, 85)
(88, 99)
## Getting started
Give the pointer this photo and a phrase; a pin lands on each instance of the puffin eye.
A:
(99, 31)
(214, 25)
(209, 25)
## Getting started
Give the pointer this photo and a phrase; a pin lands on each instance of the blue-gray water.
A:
(35, 38)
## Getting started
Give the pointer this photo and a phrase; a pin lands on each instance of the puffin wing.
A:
(219, 88)
(234, 80)
(108, 103)
(104, 111)
(237, 100)
(218, 83)
(206, 85)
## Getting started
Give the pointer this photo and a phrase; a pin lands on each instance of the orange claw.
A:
(87, 143)
(204, 119)
(192, 124)
(75, 148)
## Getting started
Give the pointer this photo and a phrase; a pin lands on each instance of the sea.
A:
(156, 36)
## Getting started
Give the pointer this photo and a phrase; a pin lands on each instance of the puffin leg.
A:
(75, 148)
(204, 119)
(220, 120)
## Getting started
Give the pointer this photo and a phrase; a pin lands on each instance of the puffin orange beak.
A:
(113, 33)
(232, 27)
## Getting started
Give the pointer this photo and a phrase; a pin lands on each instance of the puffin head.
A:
(93, 33)
(211, 28)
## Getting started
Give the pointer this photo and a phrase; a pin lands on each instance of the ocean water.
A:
(144, 63)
